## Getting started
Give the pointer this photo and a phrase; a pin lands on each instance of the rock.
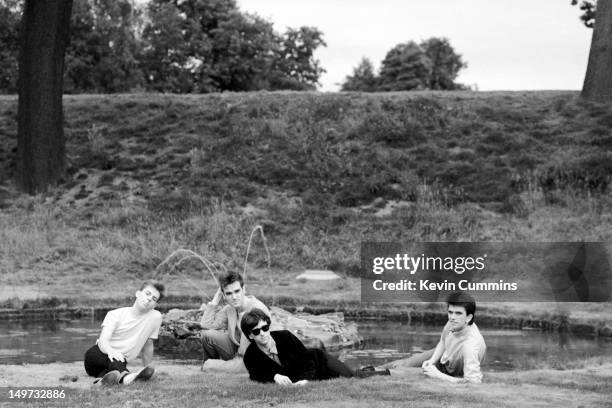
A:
(180, 331)
(318, 275)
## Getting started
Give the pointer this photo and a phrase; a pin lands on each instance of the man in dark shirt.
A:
(281, 357)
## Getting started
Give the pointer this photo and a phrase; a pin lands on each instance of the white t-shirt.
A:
(464, 351)
(130, 332)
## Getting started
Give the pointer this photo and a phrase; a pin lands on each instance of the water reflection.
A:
(67, 340)
(506, 349)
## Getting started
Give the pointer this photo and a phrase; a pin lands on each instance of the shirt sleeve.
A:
(471, 363)
(305, 365)
(110, 320)
(156, 326)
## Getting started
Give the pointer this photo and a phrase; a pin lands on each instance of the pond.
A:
(67, 340)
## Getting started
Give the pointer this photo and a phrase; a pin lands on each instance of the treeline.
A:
(175, 46)
(432, 64)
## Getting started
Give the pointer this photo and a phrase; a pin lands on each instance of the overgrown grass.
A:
(185, 386)
(320, 172)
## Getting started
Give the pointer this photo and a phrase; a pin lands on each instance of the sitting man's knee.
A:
(211, 336)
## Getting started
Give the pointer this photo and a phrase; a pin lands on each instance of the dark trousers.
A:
(97, 363)
(329, 366)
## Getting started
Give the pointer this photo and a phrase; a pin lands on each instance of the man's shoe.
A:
(144, 374)
(365, 373)
(110, 378)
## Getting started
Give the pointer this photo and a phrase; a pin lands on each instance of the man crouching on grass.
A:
(127, 333)
(461, 348)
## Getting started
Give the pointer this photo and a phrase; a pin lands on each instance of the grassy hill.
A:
(149, 173)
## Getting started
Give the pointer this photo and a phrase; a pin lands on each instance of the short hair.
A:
(463, 299)
(230, 277)
(157, 285)
(251, 319)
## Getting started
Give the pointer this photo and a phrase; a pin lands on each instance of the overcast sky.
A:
(508, 44)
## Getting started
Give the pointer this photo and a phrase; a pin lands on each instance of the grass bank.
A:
(320, 172)
(179, 385)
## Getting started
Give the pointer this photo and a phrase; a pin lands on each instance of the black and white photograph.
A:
(325, 203)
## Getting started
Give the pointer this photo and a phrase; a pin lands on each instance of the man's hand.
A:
(116, 355)
(426, 363)
(282, 379)
(218, 297)
(301, 382)
(431, 371)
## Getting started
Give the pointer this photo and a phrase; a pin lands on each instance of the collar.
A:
(271, 349)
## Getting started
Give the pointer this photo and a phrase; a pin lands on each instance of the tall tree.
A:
(445, 63)
(598, 80)
(103, 50)
(41, 151)
(406, 67)
(295, 65)
(363, 78)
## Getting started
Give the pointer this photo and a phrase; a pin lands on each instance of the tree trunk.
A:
(598, 81)
(41, 147)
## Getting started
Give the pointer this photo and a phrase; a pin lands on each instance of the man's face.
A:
(457, 317)
(234, 294)
(263, 338)
(147, 297)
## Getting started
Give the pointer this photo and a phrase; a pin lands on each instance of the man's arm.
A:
(104, 344)
(147, 352)
(471, 367)
(435, 357)
(433, 372)
(214, 316)
(305, 366)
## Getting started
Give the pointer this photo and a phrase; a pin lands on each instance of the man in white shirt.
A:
(127, 333)
(460, 351)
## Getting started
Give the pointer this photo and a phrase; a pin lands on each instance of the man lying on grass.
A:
(222, 338)
(461, 348)
(281, 357)
(127, 333)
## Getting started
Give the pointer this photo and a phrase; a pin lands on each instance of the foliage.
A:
(294, 65)
(588, 8)
(103, 50)
(445, 63)
(10, 17)
(433, 64)
(171, 46)
(406, 67)
(363, 78)
(209, 45)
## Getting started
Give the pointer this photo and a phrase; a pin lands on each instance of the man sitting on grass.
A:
(127, 333)
(281, 357)
(222, 338)
(461, 348)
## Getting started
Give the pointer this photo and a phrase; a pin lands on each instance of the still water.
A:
(67, 340)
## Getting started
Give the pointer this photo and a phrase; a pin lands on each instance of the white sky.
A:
(508, 44)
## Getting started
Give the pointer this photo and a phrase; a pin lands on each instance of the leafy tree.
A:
(445, 63)
(433, 64)
(588, 11)
(10, 17)
(406, 67)
(209, 45)
(363, 78)
(294, 64)
(172, 43)
(104, 47)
